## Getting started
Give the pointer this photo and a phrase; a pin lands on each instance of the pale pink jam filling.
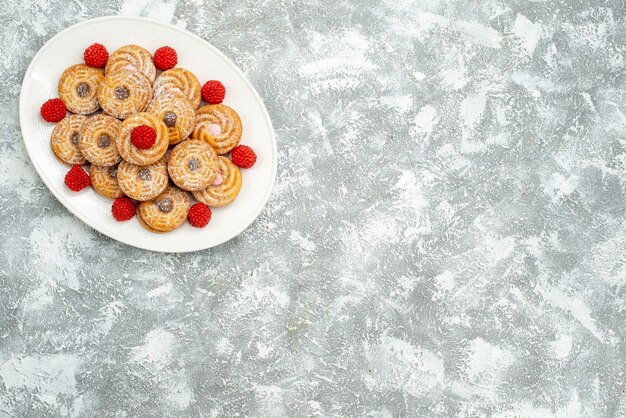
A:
(130, 67)
(214, 129)
(217, 180)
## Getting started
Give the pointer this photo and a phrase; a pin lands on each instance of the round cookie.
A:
(225, 186)
(97, 140)
(166, 212)
(137, 156)
(64, 140)
(123, 93)
(132, 57)
(104, 180)
(192, 165)
(78, 88)
(177, 113)
(219, 126)
(142, 183)
(179, 80)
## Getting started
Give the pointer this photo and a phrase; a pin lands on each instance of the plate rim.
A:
(184, 32)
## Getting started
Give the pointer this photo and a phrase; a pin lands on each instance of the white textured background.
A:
(446, 237)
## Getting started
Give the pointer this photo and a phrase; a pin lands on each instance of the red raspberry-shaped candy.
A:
(243, 156)
(165, 58)
(76, 179)
(143, 137)
(123, 209)
(96, 56)
(213, 92)
(199, 215)
(53, 110)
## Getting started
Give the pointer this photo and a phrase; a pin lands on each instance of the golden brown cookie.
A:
(192, 165)
(225, 186)
(123, 93)
(177, 113)
(166, 212)
(97, 140)
(104, 180)
(78, 88)
(179, 80)
(132, 57)
(137, 156)
(145, 225)
(219, 126)
(64, 140)
(142, 183)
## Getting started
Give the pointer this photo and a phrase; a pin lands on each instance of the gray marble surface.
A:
(446, 236)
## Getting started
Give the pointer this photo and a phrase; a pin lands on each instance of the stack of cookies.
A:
(149, 142)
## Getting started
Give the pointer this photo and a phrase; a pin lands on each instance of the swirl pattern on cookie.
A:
(132, 57)
(64, 140)
(78, 88)
(219, 126)
(177, 113)
(97, 140)
(225, 186)
(104, 180)
(137, 156)
(192, 165)
(145, 225)
(179, 80)
(166, 212)
(142, 183)
(123, 93)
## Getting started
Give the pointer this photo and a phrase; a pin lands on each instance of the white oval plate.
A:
(195, 54)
